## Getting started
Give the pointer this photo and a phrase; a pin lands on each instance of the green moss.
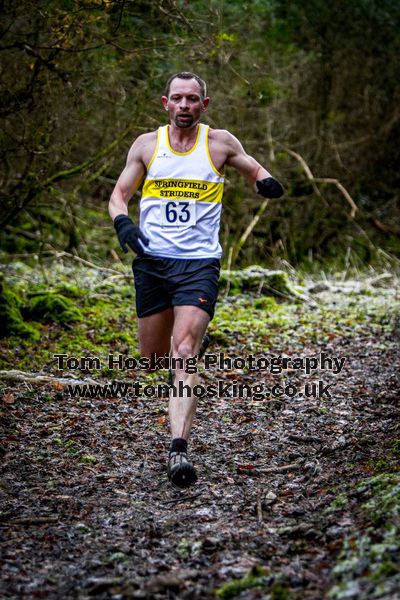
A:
(108, 324)
(258, 279)
(52, 308)
(11, 320)
(382, 465)
(396, 448)
(71, 291)
(278, 281)
(384, 496)
(255, 578)
(187, 547)
(371, 560)
(385, 569)
(88, 458)
(218, 337)
(279, 592)
(339, 502)
(231, 279)
(266, 304)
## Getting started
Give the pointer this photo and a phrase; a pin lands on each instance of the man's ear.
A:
(205, 104)
(164, 100)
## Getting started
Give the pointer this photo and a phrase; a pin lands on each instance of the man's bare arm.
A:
(261, 180)
(129, 234)
(132, 176)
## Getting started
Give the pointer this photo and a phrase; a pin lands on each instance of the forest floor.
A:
(298, 497)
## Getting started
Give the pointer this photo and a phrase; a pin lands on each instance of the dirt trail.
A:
(86, 511)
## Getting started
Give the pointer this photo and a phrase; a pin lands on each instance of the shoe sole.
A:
(183, 477)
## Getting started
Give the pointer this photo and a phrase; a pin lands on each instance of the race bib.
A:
(178, 213)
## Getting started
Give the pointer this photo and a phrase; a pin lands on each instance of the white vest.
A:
(180, 208)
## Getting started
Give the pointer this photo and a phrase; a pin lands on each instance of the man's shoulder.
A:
(223, 137)
(146, 138)
(143, 147)
(219, 135)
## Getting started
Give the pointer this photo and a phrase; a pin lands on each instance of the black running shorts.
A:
(165, 282)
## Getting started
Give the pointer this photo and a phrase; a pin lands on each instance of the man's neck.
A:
(183, 134)
(182, 139)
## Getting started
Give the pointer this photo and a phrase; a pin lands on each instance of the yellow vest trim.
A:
(155, 151)
(209, 156)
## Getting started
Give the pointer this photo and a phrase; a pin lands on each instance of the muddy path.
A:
(297, 496)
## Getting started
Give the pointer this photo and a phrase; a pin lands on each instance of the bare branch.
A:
(248, 230)
(313, 180)
(340, 186)
(306, 169)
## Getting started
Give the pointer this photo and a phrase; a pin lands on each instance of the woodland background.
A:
(310, 88)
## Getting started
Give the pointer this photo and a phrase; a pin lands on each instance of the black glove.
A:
(269, 188)
(129, 234)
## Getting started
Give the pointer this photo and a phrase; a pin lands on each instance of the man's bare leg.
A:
(189, 327)
(155, 333)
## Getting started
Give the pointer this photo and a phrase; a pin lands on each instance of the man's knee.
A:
(186, 349)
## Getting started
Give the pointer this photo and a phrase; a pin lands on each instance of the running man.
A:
(181, 166)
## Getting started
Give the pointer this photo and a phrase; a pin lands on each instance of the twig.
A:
(34, 520)
(228, 287)
(293, 294)
(68, 173)
(120, 17)
(237, 74)
(281, 469)
(306, 170)
(26, 234)
(306, 439)
(181, 499)
(38, 378)
(388, 256)
(341, 188)
(373, 280)
(326, 450)
(61, 254)
(90, 469)
(249, 229)
(383, 227)
(259, 507)
(313, 180)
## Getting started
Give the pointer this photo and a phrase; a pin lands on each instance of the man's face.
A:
(184, 103)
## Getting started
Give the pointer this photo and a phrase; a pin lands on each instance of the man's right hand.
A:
(129, 234)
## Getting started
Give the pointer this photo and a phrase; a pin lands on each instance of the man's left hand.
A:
(269, 188)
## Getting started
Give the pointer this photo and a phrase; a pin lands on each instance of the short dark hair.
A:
(187, 75)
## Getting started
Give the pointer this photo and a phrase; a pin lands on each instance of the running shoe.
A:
(181, 472)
